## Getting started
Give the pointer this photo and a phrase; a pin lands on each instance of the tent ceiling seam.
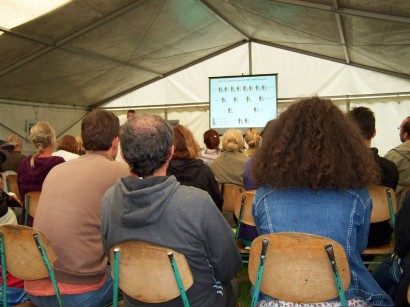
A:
(340, 28)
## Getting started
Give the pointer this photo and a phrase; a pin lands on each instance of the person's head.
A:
(146, 144)
(130, 113)
(405, 129)
(211, 139)
(99, 131)
(252, 137)
(43, 138)
(16, 141)
(185, 146)
(68, 143)
(313, 144)
(5, 149)
(232, 140)
(364, 118)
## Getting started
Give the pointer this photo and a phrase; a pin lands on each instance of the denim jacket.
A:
(340, 214)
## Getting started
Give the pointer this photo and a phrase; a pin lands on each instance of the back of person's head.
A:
(211, 139)
(364, 118)
(130, 113)
(406, 126)
(42, 135)
(185, 146)
(232, 140)
(16, 141)
(146, 142)
(98, 129)
(68, 143)
(313, 144)
(252, 137)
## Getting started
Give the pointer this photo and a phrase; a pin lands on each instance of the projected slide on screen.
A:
(242, 102)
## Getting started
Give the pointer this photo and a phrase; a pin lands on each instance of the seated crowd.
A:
(310, 168)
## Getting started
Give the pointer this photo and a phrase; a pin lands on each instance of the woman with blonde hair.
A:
(34, 168)
(230, 164)
(252, 138)
(188, 168)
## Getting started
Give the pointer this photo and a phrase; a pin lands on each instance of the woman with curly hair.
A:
(188, 168)
(312, 171)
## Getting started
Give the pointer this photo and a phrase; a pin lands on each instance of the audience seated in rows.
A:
(312, 171)
(15, 286)
(379, 233)
(67, 148)
(211, 150)
(69, 214)
(14, 157)
(149, 206)
(189, 169)
(401, 157)
(230, 165)
(33, 169)
(252, 139)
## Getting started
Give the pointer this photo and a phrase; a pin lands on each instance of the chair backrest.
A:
(247, 198)
(381, 211)
(31, 200)
(297, 267)
(23, 258)
(11, 184)
(229, 193)
(145, 273)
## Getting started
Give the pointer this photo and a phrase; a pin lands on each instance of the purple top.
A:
(31, 179)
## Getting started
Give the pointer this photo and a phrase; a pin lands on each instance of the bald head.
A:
(405, 129)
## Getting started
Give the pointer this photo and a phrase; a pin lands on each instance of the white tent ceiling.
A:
(87, 52)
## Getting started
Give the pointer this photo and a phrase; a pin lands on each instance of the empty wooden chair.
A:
(149, 273)
(384, 209)
(230, 193)
(27, 254)
(298, 267)
(30, 204)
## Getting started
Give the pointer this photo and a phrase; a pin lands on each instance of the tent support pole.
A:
(14, 132)
(72, 125)
(250, 58)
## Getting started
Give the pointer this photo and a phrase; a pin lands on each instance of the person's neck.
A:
(46, 153)
(159, 172)
(105, 153)
(368, 143)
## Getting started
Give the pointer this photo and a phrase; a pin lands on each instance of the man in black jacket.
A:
(379, 233)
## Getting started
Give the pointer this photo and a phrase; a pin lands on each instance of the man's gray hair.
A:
(146, 142)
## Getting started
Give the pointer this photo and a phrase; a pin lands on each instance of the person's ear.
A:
(374, 134)
(171, 153)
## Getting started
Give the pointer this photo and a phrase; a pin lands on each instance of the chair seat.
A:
(26, 304)
(382, 249)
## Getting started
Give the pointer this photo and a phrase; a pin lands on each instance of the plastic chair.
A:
(149, 273)
(27, 254)
(11, 184)
(298, 267)
(384, 209)
(243, 212)
(31, 203)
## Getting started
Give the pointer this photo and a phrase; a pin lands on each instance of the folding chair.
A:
(298, 267)
(149, 273)
(30, 204)
(384, 209)
(230, 192)
(243, 212)
(27, 254)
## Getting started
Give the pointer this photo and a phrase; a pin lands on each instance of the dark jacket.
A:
(380, 233)
(161, 211)
(196, 173)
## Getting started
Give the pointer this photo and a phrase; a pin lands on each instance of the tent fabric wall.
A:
(13, 117)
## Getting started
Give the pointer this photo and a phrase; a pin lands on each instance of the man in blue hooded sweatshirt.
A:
(149, 206)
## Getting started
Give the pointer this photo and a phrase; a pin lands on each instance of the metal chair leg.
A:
(116, 276)
(178, 280)
(3, 271)
(261, 266)
(26, 207)
(336, 276)
(49, 268)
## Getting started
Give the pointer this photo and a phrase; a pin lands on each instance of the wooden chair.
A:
(243, 212)
(149, 273)
(27, 254)
(384, 209)
(229, 192)
(31, 204)
(11, 184)
(298, 267)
